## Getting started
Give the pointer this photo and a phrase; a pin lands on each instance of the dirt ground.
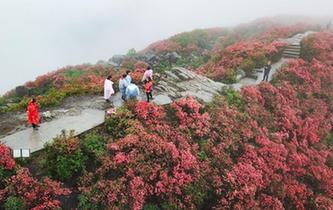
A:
(16, 121)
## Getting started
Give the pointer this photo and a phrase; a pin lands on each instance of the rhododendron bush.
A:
(18, 183)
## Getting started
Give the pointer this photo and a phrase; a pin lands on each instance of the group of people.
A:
(128, 88)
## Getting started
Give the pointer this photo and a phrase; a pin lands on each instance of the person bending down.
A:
(132, 91)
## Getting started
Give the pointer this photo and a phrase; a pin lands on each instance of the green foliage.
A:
(2, 101)
(94, 145)
(230, 77)
(169, 206)
(328, 140)
(117, 124)
(150, 206)
(85, 204)
(73, 73)
(2, 173)
(248, 65)
(308, 52)
(14, 203)
(63, 157)
(52, 98)
(131, 52)
(198, 37)
(41, 90)
(163, 66)
(233, 98)
(197, 192)
(17, 106)
(193, 61)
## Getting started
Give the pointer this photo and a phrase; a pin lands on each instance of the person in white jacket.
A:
(108, 89)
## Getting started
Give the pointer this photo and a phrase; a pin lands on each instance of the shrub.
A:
(22, 188)
(233, 98)
(191, 118)
(229, 77)
(117, 124)
(2, 101)
(64, 157)
(94, 145)
(248, 66)
(73, 73)
(131, 52)
(14, 203)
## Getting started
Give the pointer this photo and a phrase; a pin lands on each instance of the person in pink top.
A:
(148, 74)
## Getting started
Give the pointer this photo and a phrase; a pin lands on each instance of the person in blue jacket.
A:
(132, 91)
(128, 77)
(122, 86)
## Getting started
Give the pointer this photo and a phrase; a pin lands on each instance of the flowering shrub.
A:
(19, 190)
(318, 45)
(148, 166)
(6, 160)
(244, 54)
(64, 157)
(117, 124)
(191, 117)
(33, 194)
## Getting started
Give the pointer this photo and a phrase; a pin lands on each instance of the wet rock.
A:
(173, 57)
(240, 74)
(47, 115)
(162, 99)
(117, 59)
(21, 91)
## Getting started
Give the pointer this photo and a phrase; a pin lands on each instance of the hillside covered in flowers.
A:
(266, 147)
(216, 52)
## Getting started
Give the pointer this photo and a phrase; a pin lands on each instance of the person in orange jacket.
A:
(33, 115)
(149, 88)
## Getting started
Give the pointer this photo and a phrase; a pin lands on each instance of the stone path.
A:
(176, 83)
(292, 51)
(35, 139)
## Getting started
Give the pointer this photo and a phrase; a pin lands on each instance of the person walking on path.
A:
(33, 115)
(149, 89)
(108, 89)
(132, 91)
(267, 69)
(148, 74)
(128, 77)
(122, 86)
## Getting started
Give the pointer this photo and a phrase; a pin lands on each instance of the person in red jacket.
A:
(149, 88)
(33, 115)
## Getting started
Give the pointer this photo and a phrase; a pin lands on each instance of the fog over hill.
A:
(38, 36)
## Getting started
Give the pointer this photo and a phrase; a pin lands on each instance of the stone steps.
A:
(293, 50)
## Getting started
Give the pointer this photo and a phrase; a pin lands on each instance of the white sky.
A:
(38, 36)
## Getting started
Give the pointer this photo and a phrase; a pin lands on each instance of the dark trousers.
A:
(35, 126)
(266, 74)
(149, 96)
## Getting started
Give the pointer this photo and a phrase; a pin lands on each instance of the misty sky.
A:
(38, 36)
